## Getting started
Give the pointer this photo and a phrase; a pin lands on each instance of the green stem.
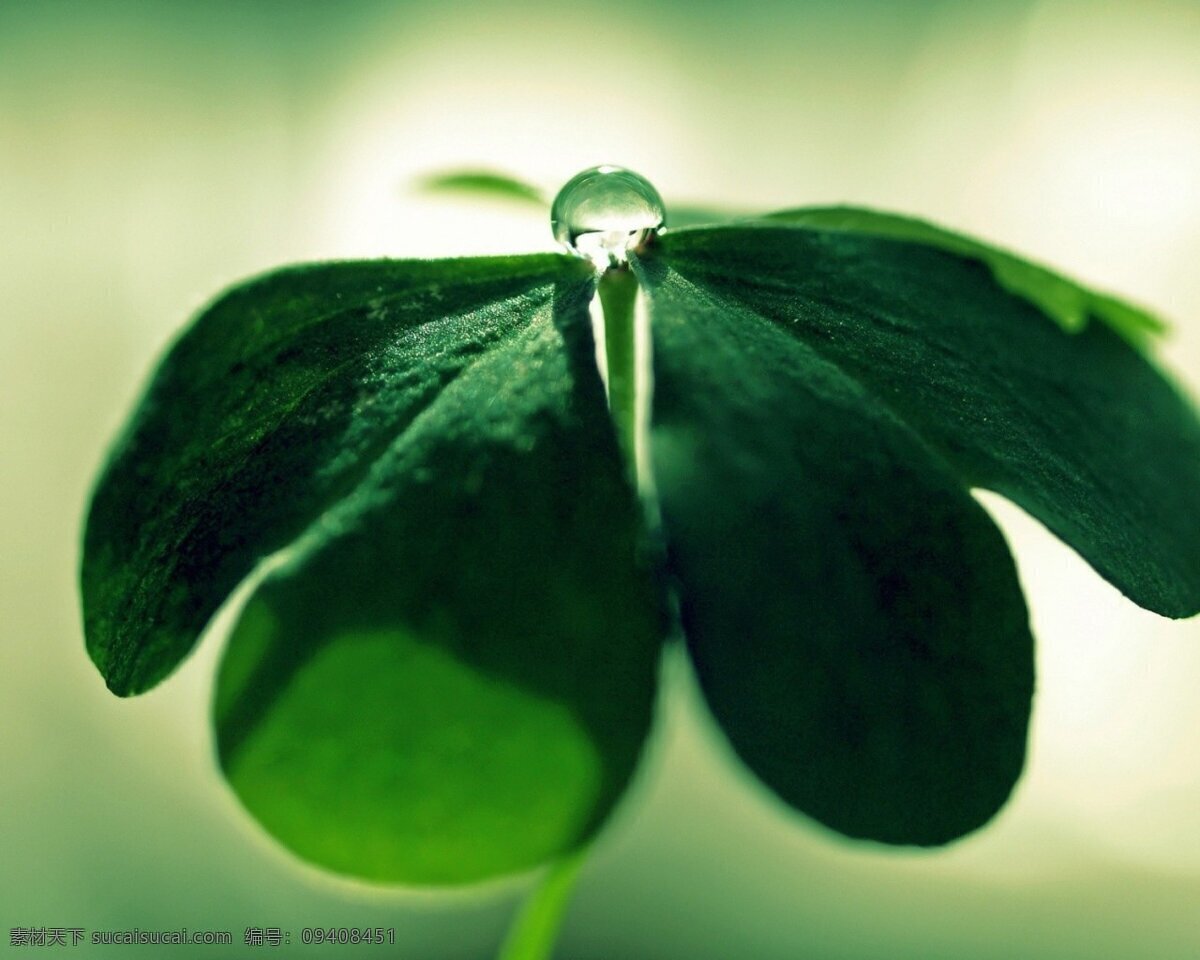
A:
(618, 296)
(535, 929)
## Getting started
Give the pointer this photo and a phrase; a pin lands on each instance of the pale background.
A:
(152, 153)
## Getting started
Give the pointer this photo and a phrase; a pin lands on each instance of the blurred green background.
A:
(153, 153)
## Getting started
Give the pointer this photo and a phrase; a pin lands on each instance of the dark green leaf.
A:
(853, 615)
(268, 410)
(1078, 429)
(454, 676)
(1064, 301)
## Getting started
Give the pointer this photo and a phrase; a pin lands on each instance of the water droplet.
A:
(604, 213)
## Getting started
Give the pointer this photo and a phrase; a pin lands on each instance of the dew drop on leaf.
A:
(605, 212)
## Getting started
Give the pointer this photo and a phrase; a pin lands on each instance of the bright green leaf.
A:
(853, 615)
(1079, 429)
(454, 677)
(686, 215)
(1064, 301)
(483, 183)
(500, 186)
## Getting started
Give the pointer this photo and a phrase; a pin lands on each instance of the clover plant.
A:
(484, 537)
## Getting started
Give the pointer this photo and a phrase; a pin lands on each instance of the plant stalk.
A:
(535, 929)
(618, 289)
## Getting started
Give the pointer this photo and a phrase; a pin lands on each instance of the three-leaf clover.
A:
(449, 670)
